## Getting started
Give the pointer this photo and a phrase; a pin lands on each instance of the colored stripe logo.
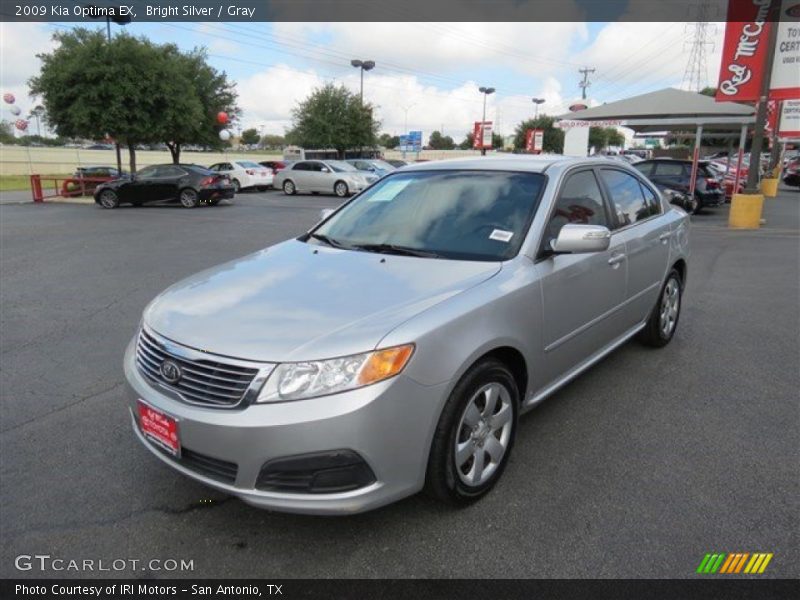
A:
(734, 563)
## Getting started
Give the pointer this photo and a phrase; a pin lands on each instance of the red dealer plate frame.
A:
(159, 428)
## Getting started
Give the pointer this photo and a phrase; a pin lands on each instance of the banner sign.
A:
(744, 51)
(790, 119)
(534, 140)
(785, 81)
(570, 123)
(482, 135)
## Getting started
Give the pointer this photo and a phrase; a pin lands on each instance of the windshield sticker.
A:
(389, 190)
(501, 235)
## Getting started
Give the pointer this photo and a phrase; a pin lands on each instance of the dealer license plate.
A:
(159, 428)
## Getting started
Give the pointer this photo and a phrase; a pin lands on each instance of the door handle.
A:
(616, 259)
(665, 236)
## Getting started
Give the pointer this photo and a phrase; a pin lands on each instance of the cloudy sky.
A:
(427, 73)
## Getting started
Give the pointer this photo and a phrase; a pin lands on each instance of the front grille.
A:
(202, 381)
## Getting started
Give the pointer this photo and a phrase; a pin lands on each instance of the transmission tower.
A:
(695, 77)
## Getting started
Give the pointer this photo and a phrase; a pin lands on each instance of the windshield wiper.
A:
(395, 249)
(330, 241)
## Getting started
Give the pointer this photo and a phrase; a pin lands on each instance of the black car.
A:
(166, 184)
(396, 162)
(791, 175)
(675, 175)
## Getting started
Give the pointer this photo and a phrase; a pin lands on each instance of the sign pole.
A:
(761, 114)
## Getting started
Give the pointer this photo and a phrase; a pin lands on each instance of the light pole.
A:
(485, 91)
(537, 102)
(364, 65)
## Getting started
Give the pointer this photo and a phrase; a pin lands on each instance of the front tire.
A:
(341, 189)
(289, 188)
(236, 186)
(663, 320)
(188, 198)
(475, 434)
(109, 199)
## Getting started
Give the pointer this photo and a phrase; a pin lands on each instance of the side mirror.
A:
(325, 213)
(325, 170)
(580, 239)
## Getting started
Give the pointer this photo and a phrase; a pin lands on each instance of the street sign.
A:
(411, 142)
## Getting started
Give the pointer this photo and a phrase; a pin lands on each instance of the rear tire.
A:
(663, 320)
(236, 186)
(475, 434)
(188, 198)
(109, 199)
(289, 188)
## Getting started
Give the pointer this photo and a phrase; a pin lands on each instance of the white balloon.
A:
(224, 135)
(15, 110)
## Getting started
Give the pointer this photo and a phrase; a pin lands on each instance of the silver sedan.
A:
(394, 346)
(326, 177)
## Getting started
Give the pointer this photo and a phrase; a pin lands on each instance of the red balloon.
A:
(21, 125)
(222, 117)
(9, 98)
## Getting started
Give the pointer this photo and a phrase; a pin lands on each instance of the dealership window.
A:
(626, 197)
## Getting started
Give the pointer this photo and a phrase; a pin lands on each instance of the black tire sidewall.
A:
(673, 274)
(442, 467)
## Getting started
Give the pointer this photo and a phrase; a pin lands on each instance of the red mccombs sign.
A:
(744, 51)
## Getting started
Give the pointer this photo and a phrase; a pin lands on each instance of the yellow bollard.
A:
(769, 187)
(746, 211)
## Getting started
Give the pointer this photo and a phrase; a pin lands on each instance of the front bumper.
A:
(389, 424)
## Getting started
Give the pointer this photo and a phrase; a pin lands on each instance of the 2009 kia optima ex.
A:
(393, 347)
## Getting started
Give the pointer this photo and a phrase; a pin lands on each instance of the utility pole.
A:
(585, 83)
(695, 77)
(754, 169)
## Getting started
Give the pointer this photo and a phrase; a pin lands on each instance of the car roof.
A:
(513, 162)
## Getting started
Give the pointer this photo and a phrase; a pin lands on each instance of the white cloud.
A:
(19, 45)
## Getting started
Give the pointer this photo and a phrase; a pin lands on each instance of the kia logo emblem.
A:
(170, 371)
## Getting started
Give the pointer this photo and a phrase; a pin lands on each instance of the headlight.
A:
(296, 381)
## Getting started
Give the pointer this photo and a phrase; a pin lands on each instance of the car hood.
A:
(297, 301)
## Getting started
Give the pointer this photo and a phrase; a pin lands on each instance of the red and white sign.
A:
(534, 140)
(482, 135)
(570, 123)
(744, 51)
(785, 80)
(159, 428)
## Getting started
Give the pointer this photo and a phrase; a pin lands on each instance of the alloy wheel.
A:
(189, 198)
(108, 199)
(288, 188)
(670, 305)
(340, 189)
(484, 434)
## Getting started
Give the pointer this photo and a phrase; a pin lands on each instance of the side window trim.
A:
(607, 193)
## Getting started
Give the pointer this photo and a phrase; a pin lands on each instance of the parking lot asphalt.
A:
(637, 469)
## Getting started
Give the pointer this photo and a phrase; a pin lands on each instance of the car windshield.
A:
(340, 166)
(460, 215)
(248, 164)
(380, 164)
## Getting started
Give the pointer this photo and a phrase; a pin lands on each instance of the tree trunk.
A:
(175, 151)
(132, 155)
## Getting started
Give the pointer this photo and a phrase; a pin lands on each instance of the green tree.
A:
(437, 141)
(598, 138)
(250, 136)
(273, 142)
(389, 141)
(614, 137)
(333, 117)
(497, 141)
(553, 136)
(709, 91)
(468, 141)
(7, 133)
(212, 93)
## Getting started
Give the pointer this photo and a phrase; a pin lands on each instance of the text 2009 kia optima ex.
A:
(393, 347)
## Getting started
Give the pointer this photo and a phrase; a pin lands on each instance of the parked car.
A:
(244, 174)
(274, 165)
(791, 174)
(372, 165)
(397, 163)
(675, 174)
(100, 147)
(322, 176)
(166, 184)
(394, 346)
(86, 179)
